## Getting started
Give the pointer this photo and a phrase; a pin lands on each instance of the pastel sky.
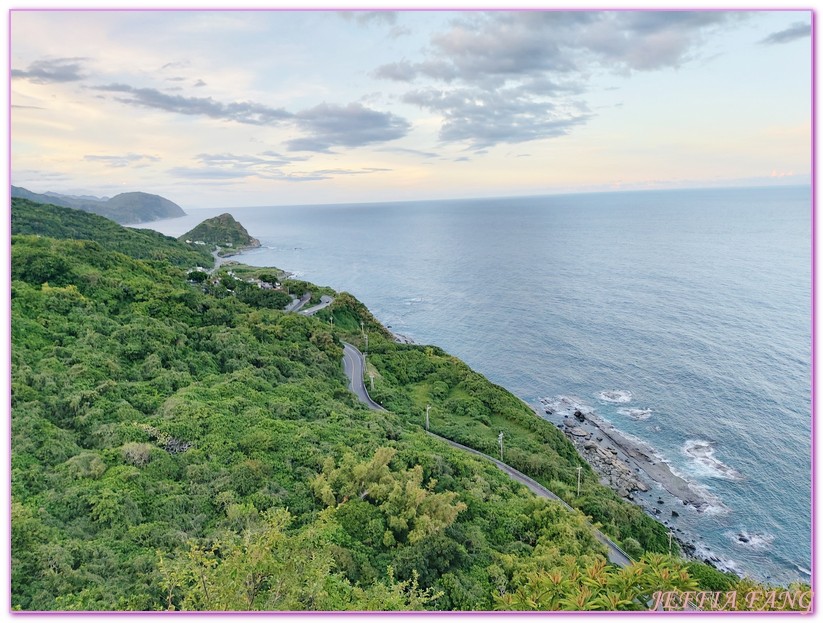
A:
(220, 109)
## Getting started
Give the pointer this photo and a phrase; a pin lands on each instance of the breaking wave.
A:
(636, 414)
(754, 540)
(619, 396)
(702, 454)
(564, 405)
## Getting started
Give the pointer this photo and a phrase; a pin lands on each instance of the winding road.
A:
(353, 367)
(325, 301)
(296, 304)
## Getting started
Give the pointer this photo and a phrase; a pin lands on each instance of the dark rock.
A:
(659, 500)
(742, 538)
(675, 514)
(580, 416)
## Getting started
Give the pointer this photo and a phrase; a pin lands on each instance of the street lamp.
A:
(579, 470)
(500, 443)
(428, 407)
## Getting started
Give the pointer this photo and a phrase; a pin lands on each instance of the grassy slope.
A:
(468, 408)
(28, 217)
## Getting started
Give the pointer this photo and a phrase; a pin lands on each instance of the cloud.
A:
(399, 31)
(508, 45)
(354, 125)
(650, 40)
(199, 83)
(485, 118)
(268, 165)
(510, 77)
(48, 71)
(798, 30)
(325, 126)
(120, 161)
(365, 171)
(241, 112)
(39, 181)
(365, 18)
(402, 71)
(412, 152)
(207, 173)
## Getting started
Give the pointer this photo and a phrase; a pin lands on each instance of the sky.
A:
(228, 109)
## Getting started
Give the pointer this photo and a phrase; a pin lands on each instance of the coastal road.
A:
(353, 365)
(217, 260)
(325, 301)
(296, 304)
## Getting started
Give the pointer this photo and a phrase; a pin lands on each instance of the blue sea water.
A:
(695, 304)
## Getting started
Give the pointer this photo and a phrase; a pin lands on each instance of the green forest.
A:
(182, 443)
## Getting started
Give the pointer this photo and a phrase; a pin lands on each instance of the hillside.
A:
(180, 446)
(28, 217)
(132, 207)
(223, 231)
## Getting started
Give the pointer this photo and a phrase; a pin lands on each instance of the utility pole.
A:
(367, 345)
(671, 534)
(579, 470)
(427, 416)
(362, 332)
(500, 442)
(371, 377)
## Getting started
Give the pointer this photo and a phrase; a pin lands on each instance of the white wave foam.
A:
(619, 396)
(803, 570)
(702, 454)
(703, 552)
(636, 414)
(714, 505)
(565, 405)
(753, 540)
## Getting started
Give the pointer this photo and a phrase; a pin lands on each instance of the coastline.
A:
(626, 463)
(623, 461)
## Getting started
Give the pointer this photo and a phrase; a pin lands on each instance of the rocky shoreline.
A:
(629, 467)
(400, 338)
(622, 462)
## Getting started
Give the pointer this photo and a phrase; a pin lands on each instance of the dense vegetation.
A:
(467, 408)
(28, 217)
(133, 207)
(222, 230)
(180, 445)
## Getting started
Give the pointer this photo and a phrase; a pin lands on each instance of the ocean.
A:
(683, 317)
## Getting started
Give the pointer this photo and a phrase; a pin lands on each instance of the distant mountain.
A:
(223, 231)
(134, 207)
